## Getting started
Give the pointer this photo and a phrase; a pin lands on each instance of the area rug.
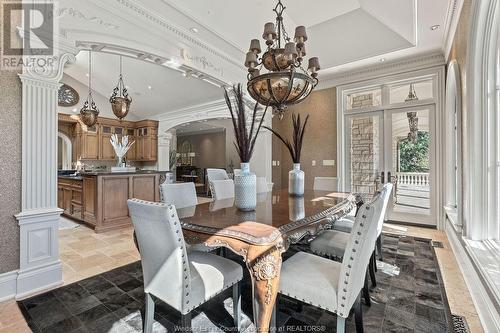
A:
(409, 297)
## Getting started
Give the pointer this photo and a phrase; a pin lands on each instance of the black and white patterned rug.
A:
(409, 297)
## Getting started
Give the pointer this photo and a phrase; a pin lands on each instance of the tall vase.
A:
(296, 181)
(245, 189)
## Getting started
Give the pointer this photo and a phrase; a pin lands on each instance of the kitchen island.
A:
(104, 196)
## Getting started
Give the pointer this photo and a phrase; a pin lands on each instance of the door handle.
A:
(382, 177)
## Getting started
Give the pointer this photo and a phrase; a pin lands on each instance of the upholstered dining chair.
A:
(330, 285)
(216, 174)
(181, 195)
(332, 243)
(222, 189)
(326, 184)
(182, 280)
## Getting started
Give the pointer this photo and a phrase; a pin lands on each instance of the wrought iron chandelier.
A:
(286, 82)
(89, 112)
(412, 116)
(120, 100)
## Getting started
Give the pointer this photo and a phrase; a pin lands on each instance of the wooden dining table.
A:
(261, 236)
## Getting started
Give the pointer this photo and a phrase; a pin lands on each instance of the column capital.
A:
(49, 75)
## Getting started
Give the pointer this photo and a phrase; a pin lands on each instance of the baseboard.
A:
(8, 285)
(485, 307)
(35, 281)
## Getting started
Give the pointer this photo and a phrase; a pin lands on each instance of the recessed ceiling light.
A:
(87, 75)
(435, 27)
(184, 74)
(382, 59)
(74, 110)
(149, 87)
(193, 30)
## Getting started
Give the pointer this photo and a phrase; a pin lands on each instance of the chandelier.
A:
(89, 112)
(120, 100)
(412, 116)
(286, 82)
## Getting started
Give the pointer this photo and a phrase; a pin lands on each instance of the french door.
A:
(394, 145)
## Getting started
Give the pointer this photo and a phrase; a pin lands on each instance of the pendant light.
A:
(120, 100)
(89, 112)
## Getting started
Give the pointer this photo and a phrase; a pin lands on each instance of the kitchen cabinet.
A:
(69, 197)
(93, 143)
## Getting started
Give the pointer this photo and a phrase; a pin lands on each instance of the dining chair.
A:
(216, 174)
(332, 243)
(345, 224)
(262, 185)
(330, 285)
(181, 195)
(182, 280)
(326, 184)
(222, 189)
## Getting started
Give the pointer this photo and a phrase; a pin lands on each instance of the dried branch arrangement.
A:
(245, 136)
(294, 147)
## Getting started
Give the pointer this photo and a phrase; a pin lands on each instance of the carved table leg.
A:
(265, 272)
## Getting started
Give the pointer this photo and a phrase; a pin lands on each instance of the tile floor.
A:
(85, 253)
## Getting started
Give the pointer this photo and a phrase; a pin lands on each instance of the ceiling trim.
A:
(451, 24)
(204, 131)
(407, 64)
(154, 18)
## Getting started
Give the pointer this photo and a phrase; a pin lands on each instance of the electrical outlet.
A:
(313, 162)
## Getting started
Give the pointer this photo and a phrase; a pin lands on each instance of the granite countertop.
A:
(70, 177)
(108, 173)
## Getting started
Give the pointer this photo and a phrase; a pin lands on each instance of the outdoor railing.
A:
(420, 179)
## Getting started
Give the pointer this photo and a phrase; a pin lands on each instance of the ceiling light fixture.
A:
(382, 60)
(435, 27)
(149, 87)
(286, 82)
(120, 100)
(194, 30)
(89, 112)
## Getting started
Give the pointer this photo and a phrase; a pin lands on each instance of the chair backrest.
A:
(163, 251)
(216, 174)
(386, 192)
(222, 189)
(326, 184)
(237, 172)
(358, 252)
(180, 195)
(262, 185)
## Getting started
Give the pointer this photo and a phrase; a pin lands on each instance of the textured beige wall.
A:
(10, 169)
(210, 149)
(320, 141)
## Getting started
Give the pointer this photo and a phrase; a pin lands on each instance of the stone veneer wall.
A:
(365, 156)
(10, 169)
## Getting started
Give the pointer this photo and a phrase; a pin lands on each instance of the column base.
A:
(40, 268)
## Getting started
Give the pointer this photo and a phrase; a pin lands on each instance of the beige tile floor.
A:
(85, 253)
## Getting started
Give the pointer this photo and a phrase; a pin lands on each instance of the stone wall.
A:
(365, 156)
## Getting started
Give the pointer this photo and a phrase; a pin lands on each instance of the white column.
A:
(164, 143)
(40, 267)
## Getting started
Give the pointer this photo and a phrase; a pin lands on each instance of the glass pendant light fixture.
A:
(120, 100)
(286, 82)
(89, 112)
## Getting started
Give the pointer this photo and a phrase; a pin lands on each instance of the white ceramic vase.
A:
(296, 181)
(245, 189)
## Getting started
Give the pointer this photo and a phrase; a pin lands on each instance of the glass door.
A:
(409, 161)
(364, 152)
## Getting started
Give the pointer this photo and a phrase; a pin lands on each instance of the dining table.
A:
(262, 235)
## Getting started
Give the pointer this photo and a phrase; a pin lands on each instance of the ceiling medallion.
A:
(286, 82)
(67, 96)
(120, 100)
(89, 112)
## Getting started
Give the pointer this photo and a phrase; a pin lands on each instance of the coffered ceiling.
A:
(211, 36)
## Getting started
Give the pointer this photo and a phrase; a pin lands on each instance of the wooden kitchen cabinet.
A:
(69, 197)
(93, 143)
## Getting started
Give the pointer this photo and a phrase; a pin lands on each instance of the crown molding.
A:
(412, 63)
(451, 24)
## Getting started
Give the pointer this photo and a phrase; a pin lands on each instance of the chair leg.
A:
(372, 272)
(379, 247)
(237, 305)
(340, 324)
(149, 315)
(358, 314)
(366, 291)
(186, 322)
